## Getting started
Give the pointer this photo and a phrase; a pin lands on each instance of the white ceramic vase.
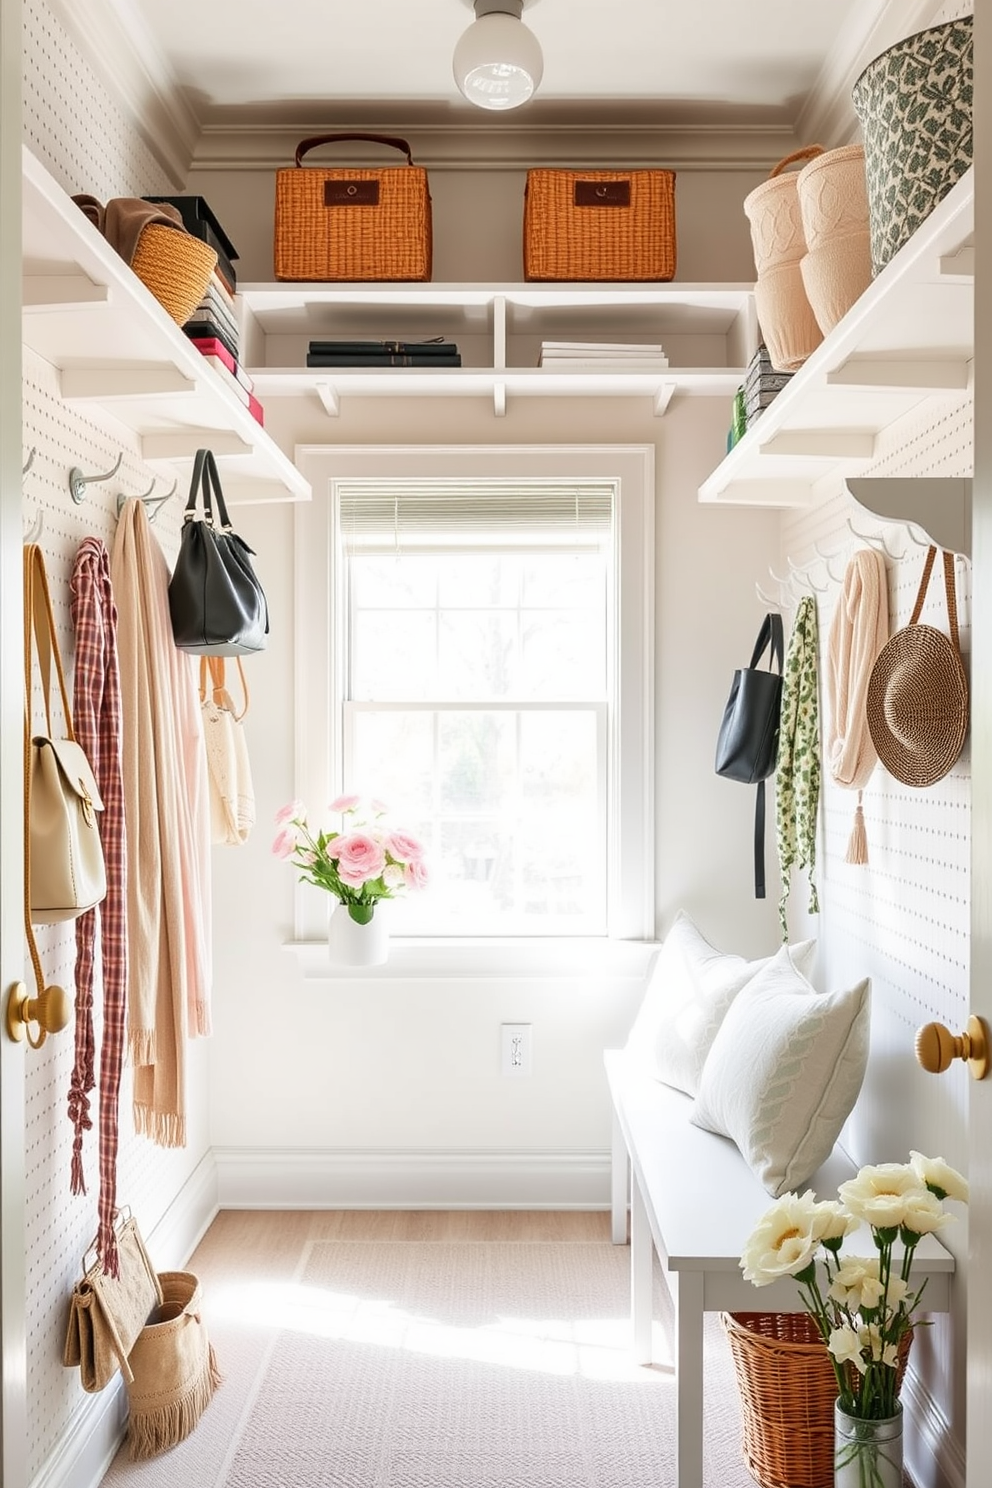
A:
(352, 944)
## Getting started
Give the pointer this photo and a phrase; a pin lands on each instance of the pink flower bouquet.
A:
(365, 862)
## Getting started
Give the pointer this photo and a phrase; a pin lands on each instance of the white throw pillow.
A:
(784, 1072)
(690, 989)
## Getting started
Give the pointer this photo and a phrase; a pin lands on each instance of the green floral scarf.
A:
(797, 776)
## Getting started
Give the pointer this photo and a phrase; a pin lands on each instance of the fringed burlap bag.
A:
(174, 1370)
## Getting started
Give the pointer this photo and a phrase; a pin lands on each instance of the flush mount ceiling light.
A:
(498, 62)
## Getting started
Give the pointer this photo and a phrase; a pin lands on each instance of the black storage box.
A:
(199, 220)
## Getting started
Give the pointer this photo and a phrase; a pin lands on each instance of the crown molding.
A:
(828, 114)
(124, 55)
(244, 147)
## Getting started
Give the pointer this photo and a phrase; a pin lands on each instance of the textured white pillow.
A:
(784, 1071)
(690, 989)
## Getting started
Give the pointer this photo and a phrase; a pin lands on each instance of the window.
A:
(477, 691)
(487, 661)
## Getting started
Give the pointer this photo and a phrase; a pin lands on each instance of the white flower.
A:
(878, 1194)
(874, 1344)
(938, 1175)
(896, 1291)
(857, 1284)
(845, 1346)
(392, 875)
(784, 1240)
(924, 1213)
(832, 1221)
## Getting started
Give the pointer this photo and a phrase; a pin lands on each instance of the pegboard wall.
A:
(80, 132)
(59, 1226)
(904, 918)
(73, 123)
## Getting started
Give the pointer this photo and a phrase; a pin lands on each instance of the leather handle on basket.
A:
(809, 152)
(376, 139)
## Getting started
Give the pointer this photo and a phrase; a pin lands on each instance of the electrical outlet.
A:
(517, 1048)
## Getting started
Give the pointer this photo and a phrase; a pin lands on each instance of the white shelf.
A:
(908, 340)
(86, 313)
(499, 329)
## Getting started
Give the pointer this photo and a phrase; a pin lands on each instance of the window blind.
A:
(408, 516)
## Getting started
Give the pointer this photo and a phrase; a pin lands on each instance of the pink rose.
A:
(285, 843)
(403, 847)
(359, 858)
(294, 812)
(415, 874)
(344, 803)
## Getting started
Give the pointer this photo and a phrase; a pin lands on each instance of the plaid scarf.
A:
(96, 707)
(797, 778)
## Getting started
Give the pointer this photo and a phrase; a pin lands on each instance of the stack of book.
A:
(215, 317)
(437, 353)
(762, 385)
(616, 356)
(213, 330)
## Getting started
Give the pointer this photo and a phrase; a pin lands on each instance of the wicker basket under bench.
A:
(695, 1201)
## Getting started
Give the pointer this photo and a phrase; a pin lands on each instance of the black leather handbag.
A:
(747, 744)
(217, 604)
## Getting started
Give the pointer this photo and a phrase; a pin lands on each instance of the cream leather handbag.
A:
(64, 870)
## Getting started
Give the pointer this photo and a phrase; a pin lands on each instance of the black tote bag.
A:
(747, 744)
(216, 602)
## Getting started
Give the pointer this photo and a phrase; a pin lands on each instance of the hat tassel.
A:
(857, 847)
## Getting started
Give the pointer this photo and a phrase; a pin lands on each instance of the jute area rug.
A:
(434, 1350)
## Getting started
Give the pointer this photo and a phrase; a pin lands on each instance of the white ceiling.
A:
(751, 61)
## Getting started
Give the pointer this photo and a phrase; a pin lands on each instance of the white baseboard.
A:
(88, 1447)
(315, 1178)
(933, 1457)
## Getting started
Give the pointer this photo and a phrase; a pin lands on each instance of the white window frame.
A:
(319, 671)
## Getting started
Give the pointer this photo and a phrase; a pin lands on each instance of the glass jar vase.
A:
(867, 1453)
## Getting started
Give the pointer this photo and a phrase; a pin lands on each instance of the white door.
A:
(13, 1444)
(979, 1431)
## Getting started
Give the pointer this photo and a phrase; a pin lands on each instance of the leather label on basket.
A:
(602, 194)
(348, 193)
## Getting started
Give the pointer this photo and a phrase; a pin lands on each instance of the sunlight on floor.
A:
(592, 1348)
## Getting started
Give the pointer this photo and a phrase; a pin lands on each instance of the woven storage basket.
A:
(833, 203)
(788, 1388)
(599, 224)
(175, 266)
(915, 107)
(785, 315)
(362, 223)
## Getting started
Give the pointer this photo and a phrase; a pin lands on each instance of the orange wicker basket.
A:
(175, 266)
(356, 224)
(599, 224)
(788, 1388)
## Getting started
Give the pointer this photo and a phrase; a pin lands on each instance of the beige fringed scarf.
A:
(859, 630)
(167, 812)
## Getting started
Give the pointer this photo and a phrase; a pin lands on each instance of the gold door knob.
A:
(51, 1011)
(937, 1048)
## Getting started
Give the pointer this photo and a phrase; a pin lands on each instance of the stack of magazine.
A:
(597, 356)
(437, 353)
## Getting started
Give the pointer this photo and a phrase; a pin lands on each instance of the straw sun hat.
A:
(917, 703)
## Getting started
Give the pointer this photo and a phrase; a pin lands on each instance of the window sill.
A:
(539, 959)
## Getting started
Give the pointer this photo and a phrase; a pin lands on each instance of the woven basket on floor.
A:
(788, 1388)
(175, 266)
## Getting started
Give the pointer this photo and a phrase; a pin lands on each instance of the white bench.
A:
(695, 1201)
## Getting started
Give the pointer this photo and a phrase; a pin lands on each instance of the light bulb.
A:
(497, 62)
